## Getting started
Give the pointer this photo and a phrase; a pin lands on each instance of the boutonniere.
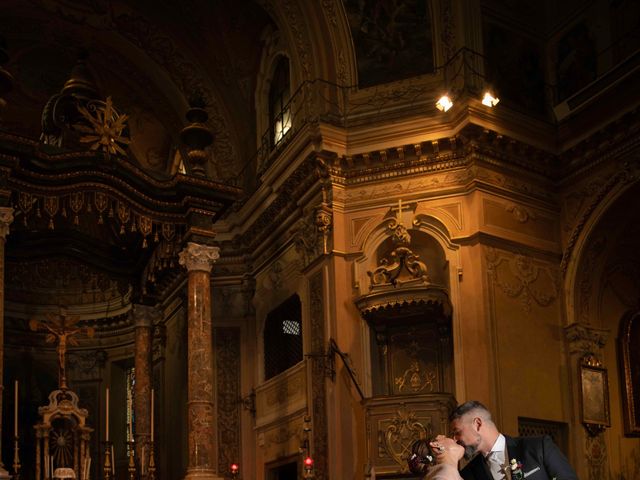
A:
(516, 470)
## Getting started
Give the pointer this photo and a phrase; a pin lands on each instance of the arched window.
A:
(279, 95)
(283, 337)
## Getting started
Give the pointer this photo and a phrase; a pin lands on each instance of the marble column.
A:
(198, 260)
(6, 217)
(144, 317)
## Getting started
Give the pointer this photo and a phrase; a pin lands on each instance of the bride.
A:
(447, 454)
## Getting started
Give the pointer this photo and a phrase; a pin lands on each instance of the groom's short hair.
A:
(468, 407)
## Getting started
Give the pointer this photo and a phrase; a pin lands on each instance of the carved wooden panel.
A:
(394, 423)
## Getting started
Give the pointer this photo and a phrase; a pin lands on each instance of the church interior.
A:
(283, 239)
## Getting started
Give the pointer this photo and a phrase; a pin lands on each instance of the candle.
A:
(142, 461)
(15, 413)
(106, 416)
(88, 468)
(152, 422)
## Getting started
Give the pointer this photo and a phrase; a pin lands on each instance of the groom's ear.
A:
(477, 423)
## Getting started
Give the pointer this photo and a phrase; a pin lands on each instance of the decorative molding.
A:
(526, 280)
(584, 339)
(196, 257)
(520, 213)
(403, 426)
(622, 177)
(596, 455)
(587, 275)
(6, 217)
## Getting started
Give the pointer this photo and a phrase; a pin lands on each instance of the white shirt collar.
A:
(499, 446)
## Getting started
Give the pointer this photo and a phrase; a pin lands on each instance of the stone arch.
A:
(586, 241)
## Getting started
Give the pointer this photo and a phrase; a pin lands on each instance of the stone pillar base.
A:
(202, 475)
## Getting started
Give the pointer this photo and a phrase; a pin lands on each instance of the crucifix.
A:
(62, 329)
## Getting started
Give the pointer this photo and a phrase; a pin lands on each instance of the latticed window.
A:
(283, 337)
(279, 108)
(534, 427)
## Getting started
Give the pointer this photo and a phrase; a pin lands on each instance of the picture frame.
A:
(628, 338)
(594, 395)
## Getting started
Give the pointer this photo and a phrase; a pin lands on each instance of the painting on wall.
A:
(392, 39)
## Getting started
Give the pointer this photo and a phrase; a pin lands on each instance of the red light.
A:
(308, 462)
(234, 468)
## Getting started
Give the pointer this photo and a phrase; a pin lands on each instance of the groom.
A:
(538, 457)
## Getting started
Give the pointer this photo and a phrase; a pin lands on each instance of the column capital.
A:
(584, 339)
(145, 315)
(198, 257)
(6, 217)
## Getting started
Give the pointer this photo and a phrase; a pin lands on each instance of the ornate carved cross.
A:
(61, 328)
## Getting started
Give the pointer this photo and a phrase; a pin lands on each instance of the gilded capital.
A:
(6, 217)
(198, 257)
(585, 339)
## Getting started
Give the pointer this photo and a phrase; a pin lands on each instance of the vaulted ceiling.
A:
(151, 57)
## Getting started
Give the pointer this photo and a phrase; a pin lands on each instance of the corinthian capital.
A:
(6, 217)
(198, 257)
(585, 339)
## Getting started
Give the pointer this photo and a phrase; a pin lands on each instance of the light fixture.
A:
(463, 77)
(444, 103)
(489, 99)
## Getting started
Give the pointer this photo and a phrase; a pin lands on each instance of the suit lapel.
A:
(514, 448)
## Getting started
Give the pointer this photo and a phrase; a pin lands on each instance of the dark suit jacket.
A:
(541, 460)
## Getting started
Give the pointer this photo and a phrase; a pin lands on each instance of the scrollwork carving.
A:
(416, 379)
(401, 431)
(526, 280)
(198, 257)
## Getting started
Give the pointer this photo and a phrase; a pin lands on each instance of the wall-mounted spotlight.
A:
(489, 99)
(444, 103)
(462, 73)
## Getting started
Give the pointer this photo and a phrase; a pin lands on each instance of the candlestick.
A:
(108, 462)
(113, 462)
(16, 459)
(152, 462)
(152, 412)
(132, 462)
(106, 416)
(15, 413)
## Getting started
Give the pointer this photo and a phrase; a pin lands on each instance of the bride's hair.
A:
(420, 457)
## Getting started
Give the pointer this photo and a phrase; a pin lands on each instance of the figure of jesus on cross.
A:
(61, 328)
